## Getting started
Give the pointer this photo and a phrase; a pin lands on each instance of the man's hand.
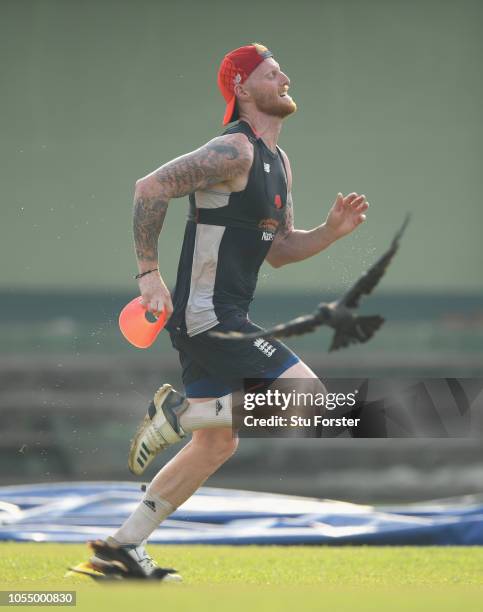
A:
(346, 214)
(155, 295)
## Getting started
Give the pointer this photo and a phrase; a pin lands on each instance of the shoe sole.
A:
(106, 555)
(85, 568)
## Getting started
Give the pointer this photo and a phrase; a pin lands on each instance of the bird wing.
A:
(371, 278)
(295, 327)
(307, 323)
(361, 330)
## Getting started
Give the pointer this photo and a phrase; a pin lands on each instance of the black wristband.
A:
(141, 274)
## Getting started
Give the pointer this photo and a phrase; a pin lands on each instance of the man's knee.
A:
(218, 445)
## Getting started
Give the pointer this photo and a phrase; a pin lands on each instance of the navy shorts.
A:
(213, 367)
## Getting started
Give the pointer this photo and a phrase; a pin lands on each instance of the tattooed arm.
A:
(222, 159)
(291, 245)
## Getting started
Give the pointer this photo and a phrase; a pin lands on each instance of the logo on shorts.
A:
(218, 407)
(264, 346)
(267, 236)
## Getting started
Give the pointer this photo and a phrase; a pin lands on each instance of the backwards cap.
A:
(235, 68)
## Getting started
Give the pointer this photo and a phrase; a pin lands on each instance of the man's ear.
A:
(240, 92)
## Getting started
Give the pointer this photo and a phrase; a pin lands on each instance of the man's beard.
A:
(276, 107)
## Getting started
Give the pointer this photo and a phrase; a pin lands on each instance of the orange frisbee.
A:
(135, 326)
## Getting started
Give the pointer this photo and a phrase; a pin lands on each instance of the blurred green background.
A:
(96, 94)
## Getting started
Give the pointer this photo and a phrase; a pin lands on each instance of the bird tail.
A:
(366, 327)
(362, 329)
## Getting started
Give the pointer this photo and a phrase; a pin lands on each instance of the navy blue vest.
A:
(226, 240)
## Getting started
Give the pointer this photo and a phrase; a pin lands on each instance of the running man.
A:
(241, 213)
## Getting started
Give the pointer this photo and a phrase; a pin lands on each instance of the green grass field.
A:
(266, 578)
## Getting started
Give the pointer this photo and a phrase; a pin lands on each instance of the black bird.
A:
(340, 315)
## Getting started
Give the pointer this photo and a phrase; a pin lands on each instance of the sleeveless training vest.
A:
(226, 240)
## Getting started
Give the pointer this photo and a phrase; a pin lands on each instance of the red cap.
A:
(235, 68)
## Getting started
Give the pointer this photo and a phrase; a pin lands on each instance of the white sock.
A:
(144, 520)
(203, 415)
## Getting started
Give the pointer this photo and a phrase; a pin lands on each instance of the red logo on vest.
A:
(278, 201)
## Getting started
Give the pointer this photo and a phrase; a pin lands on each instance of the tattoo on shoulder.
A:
(230, 151)
(219, 160)
(215, 162)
